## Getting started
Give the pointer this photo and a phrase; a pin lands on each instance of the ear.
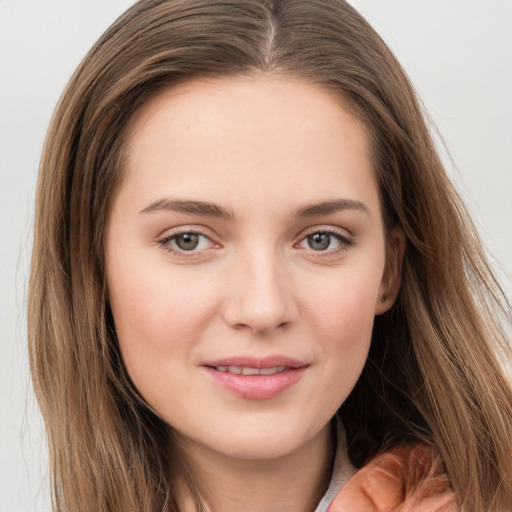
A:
(392, 276)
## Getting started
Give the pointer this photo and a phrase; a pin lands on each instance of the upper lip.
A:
(246, 361)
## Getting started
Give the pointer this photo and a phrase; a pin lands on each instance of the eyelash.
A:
(345, 242)
(165, 243)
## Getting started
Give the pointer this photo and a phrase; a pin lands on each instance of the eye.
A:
(190, 241)
(320, 241)
(325, 241)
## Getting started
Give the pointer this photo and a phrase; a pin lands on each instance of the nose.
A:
(259, 295)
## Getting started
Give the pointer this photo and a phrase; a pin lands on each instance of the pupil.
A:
(187, 241)
(319, 241)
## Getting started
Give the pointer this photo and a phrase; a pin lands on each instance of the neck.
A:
(296, 481)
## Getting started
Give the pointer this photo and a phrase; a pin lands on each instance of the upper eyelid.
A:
(164, 243)
(176, 235)
(171, 233)
(181, 230)
(342, 232)
(345, 240)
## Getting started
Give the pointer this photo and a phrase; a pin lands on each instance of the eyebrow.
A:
(332, 206)
(188, 206)
(213, 210)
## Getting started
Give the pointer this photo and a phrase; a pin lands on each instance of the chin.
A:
(258, 440)
(257, 447)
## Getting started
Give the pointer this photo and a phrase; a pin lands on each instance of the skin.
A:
(261, 148)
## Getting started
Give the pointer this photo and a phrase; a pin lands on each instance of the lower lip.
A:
(257, 387)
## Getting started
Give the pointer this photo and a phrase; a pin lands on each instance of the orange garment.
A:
(405, 479)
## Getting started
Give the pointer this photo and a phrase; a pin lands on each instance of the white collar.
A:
(342, 469)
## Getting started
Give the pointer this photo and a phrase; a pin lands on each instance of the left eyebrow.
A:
(332, 206)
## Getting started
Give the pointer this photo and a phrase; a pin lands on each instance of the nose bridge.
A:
(260, 296)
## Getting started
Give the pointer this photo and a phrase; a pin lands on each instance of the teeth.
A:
(239, 370)
(271, 371)
(250, 371)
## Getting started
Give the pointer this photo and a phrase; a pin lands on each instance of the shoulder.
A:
(408, 478)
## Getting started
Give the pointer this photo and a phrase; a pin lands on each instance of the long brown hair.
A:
(432, 374)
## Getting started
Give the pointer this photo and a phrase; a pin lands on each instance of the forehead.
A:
(250, 100)
(243, 132)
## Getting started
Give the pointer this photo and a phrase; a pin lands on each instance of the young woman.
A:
(253, 287)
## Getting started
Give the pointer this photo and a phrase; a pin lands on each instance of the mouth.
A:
(256, 379)
(247, 370)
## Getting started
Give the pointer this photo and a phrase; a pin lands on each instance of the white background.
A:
(457, 52)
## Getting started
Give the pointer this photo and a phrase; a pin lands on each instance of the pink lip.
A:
(257, 362)
(257, 387)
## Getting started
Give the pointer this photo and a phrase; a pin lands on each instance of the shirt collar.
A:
(342, 468)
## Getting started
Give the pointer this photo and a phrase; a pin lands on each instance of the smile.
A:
(256, 379)
(244, 370)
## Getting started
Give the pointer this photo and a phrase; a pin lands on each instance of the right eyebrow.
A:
(188, 206)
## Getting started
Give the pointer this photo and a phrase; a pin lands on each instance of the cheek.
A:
(342, 314)
(157, 315)
(346, 304)
(347, 336)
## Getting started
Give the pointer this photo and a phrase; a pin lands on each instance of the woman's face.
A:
(246, 261)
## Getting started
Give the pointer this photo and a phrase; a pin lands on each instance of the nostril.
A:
(260, 329)
(265, 330)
